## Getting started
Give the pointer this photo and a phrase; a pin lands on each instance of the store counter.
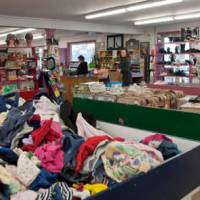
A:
(70, 81)
(173, 122)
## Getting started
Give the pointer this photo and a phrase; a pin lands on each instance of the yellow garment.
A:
(95, 188)
(5, 176)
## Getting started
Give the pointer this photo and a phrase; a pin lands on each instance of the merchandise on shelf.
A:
(176, 58)
(19, 67)
(134, 95)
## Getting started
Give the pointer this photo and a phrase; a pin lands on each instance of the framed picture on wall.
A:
(144, 49)
(110, 42)
(119, 41)
(115, 42)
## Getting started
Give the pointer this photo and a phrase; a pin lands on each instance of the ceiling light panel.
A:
(154, 21)
(106, 13)
(187, 16)
(153, 5)
(132, 8)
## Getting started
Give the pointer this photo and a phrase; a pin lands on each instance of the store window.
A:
(87, 49)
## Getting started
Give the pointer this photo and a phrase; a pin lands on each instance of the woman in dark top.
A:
(82, 68)
(125, 67)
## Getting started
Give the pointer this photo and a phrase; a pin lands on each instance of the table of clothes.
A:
(134, 95)
(50, 152)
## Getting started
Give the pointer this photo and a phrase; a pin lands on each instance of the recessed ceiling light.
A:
(154, 21)
(106, 13)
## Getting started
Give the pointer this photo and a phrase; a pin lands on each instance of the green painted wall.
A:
(170, 122)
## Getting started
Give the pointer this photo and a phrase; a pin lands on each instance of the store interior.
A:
(100, 100)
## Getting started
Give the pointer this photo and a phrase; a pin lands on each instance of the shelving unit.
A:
(19, 68)
(170, 63)
(110, 59)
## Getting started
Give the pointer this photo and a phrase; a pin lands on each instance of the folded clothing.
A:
(122, 161)
(58, 191)
(51, 157)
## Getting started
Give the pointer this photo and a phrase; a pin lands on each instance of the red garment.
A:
(88, 148)
(156, 137)
(43, 134)
(35, 118)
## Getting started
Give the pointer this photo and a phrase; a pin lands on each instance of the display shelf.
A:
(177, 58)
(181, 42)
(23, 62)
(175, 65)
(176, 54)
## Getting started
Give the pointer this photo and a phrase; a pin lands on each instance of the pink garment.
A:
(85, 129)
(157, 155)
(157, 137)
(51, 157)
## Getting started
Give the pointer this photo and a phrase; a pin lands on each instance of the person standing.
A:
(125, 68)
(83, 67)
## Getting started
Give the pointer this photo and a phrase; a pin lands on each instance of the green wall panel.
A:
(170, 122)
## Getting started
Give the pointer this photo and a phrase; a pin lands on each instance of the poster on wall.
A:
(144, 49)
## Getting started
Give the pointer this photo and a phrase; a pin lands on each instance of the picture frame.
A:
(110, 42)
(115, 42)
(144, 49)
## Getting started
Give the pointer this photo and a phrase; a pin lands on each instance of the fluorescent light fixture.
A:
(106, 13)
(37, 37)
(153, 4)
(187, 16)
(17, 32)
(2, 42)
(132, 8)
(23, 30)
(154, 21)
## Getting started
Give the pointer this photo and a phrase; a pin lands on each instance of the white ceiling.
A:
(77, 9)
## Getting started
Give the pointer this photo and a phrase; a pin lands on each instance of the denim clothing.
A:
(100, 176)
(12, 125)
(44, 180)
(8, 156)
(8, 99)
(71, 145)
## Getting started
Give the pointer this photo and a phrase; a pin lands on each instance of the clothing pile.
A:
(50, 152)
(134, 95)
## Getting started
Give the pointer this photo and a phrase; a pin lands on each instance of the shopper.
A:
(83, 67)
(125, 68)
